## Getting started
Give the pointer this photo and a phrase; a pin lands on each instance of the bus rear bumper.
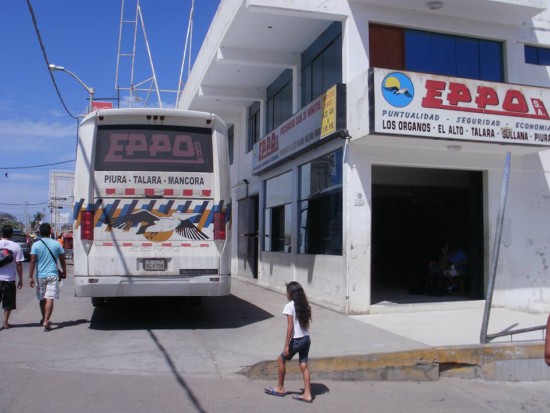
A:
(116, 286)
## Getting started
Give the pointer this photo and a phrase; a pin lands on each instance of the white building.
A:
(353, 189)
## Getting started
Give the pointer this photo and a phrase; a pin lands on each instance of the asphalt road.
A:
(146, 355)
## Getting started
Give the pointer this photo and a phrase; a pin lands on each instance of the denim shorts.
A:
(298, 345)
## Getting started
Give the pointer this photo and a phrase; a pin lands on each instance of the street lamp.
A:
(90, 90)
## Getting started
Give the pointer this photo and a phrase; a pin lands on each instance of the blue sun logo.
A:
(397, 89)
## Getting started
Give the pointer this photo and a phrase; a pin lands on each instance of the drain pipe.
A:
(348, 256)
(496, 250)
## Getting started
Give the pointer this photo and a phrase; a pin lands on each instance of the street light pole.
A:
(90, 90)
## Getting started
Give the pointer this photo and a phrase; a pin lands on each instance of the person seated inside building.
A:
(455, 272)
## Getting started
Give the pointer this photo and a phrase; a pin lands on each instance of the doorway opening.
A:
(248, 249)
(415, 213)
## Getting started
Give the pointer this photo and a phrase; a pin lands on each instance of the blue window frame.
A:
(450, 55)
(537, 55)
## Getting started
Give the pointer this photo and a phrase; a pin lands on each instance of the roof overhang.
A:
(507, 12)
(235, 65)
(251, 42)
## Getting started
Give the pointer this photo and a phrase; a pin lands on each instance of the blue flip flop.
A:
(273, 392)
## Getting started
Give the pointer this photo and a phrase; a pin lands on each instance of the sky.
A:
(83, 37)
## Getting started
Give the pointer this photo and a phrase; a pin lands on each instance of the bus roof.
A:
(152, 112)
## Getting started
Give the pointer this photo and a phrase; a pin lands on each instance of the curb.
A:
(492, 362)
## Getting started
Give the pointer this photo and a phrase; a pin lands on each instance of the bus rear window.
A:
(155, 148)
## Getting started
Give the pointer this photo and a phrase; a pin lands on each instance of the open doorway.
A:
(415, 212)
(248, 236)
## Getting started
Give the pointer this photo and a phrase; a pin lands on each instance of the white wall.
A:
(523, 272)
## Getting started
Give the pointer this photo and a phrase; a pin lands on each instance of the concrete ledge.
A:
(498, 362)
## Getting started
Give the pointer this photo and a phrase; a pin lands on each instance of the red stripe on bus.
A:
(130, 191)
(127, 244)
(110, 191)
(149, 191)
(108, 244)
(205, 245)
(147, 244)
(166, 244)
(206, 192)
(186, 245)
(169, 192)
(187, 192)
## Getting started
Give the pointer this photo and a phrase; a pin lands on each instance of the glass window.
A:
(537, 55)
(490, 61)
(279, 101)
(253, 125)
(443, 49)
(544, 56)
(320, 213)
(282, 105)
(418, 51)
(154, 148)
(531, 55)
(322, 64)
(230, 142)
(278, 213)
(443, 54)
(467, 58)
(332, 64)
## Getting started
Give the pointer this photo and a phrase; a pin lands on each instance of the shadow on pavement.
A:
(176, 313)
(71, 323)
(179, 378)
(318, 389)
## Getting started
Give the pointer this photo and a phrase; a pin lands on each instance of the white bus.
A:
(151, 201)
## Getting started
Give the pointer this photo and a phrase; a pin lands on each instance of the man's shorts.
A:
(7, 294)
(48, 287)
(298, 345)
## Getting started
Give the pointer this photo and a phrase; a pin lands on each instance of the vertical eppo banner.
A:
(425, 105)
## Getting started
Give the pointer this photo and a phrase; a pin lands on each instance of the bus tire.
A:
(98, 301)
(196, 301)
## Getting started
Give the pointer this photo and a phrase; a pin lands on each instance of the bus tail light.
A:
(87, 225)
(219, 225)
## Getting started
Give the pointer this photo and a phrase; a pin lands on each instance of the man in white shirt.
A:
(7, 273)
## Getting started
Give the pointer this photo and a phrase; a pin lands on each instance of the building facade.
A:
(365, 135)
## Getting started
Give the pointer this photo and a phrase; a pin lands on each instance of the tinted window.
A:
(537, 55)
(448, 55)
(531, 55)
(320, 216)
(138, 148)
(490, 60)
(322, 63)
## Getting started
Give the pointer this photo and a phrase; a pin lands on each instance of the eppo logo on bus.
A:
(138, 147)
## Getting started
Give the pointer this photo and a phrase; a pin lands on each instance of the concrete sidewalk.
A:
(401, 337)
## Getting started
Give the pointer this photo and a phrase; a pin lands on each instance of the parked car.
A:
(21, 239)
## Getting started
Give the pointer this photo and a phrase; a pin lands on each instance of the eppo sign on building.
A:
(416, 104)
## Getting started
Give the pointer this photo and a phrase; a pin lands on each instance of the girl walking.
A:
(298, 315)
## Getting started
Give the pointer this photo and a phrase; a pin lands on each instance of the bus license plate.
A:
(154, 264)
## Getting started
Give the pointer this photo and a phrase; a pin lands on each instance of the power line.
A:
(37, 166)
(35, 24)
(25, 203)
